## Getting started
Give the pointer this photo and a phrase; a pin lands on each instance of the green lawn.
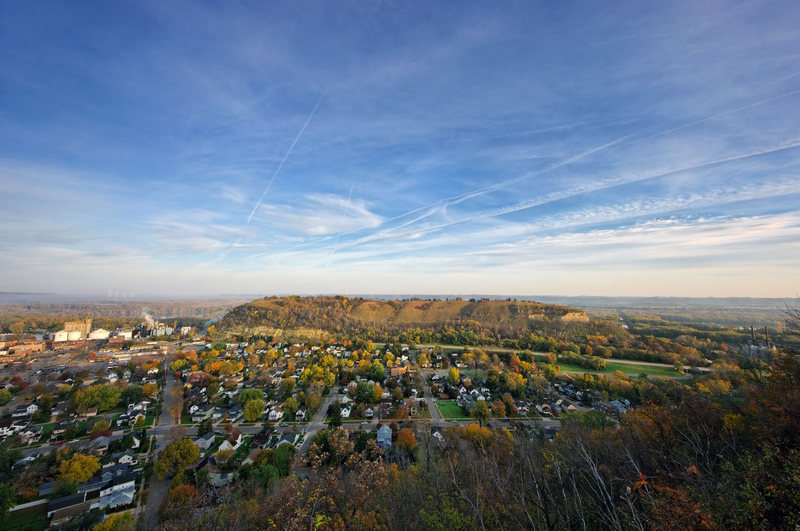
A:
(627, 368)
(449, 409)
(32, 518)
(47, 429)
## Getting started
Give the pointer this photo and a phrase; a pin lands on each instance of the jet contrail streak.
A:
(288, 152)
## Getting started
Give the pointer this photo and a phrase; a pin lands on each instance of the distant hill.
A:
(313, 316)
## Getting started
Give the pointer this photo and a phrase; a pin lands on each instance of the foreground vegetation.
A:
(700, 461)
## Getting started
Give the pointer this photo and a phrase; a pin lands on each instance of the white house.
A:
(226, 444)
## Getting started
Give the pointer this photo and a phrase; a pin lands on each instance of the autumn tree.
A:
(253, 409)
(78, 468)
(453, 376)
(312, 401)
(249, 394)
(175, 457)
(481, 411)
(406, 439)
(100, 426)
(117, 522)
(290, 406)
(150, 389)
(498, 408)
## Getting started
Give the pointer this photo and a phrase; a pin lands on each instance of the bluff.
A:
(384, 319)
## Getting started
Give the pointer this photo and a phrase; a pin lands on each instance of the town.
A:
(100, 424)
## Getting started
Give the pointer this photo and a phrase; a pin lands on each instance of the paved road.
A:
(163, 433)
(317, 424)
(436, 417)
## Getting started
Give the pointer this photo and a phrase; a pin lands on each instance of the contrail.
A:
(288, 152)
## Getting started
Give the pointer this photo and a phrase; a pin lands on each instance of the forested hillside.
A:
(451, 321)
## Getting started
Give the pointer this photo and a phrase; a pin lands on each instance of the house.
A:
(235, 412)
(59, 429)
(369, 413)
(116, 499)
(120, 483)
(127, 457)
(384, 436)
(216, 477)
(94, 483)
(437, 434)
(24, 410)
(202, 413)
(301, 414)
(275, 414)
(288, 438)
(65, 502)
(204, 442)
(30, 435)
(233, 445)
(113, 470)
(9, 427)
(99, 446)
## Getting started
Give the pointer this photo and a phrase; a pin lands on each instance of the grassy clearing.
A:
(33, 518)
(449, 409)
(627, 368)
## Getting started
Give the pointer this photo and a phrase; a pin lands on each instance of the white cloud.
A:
(320, 214)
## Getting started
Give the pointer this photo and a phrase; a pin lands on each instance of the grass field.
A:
(33, 518)
(627, 368)
(449, 409)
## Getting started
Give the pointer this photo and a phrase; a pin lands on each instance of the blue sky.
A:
(574, 148)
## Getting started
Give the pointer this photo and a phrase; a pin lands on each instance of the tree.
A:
(335, 412)
(290, 406)
(150, 389)
(223, 456)
(78, 468)
(253, 409)
(206, 426)
(312, 401)
(5, 396)
(249, 394)
(453, 376)
(377, 392)
(363, 392)
(131, 394)
(175, 457)
(498, 408)
(8, 499)
(406, 439)
(397, 394)
(100, 426)
(117, 522)
(212, 389)
(377, 372)
(481, 411)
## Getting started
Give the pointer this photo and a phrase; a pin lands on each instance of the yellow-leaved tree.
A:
(78, 468)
